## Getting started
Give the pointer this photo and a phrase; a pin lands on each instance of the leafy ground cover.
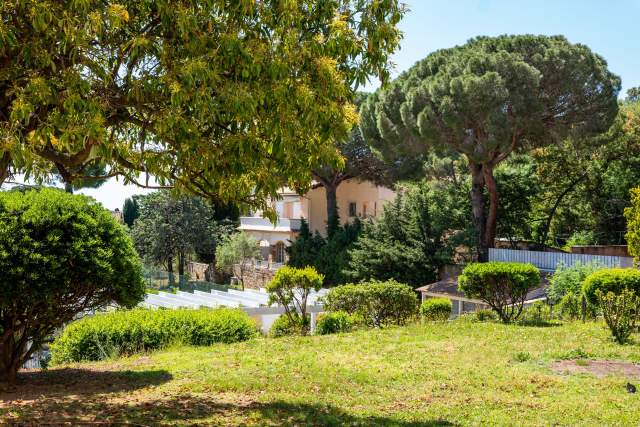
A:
(454, 373)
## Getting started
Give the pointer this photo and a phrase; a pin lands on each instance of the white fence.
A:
(549, 260)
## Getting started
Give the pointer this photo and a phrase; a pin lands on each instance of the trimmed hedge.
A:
(126, 332)
(613, 280)
(334, 322)
(502, 285)
(378, 303)
(436, 309)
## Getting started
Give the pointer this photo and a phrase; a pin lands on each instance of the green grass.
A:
(455, 373)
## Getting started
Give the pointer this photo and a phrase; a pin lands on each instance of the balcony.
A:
(263, 224)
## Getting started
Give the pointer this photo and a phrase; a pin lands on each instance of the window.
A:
(287, 211)
(279, 252)
(364, 209)
(352, 209)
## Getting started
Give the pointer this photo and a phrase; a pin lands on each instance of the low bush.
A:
(570, 306)
(569, 279)
(613, 280)
(537, 314)
(621, 312)
(334, 322)
(436, 309)
(285, 325)
(125, 332)
(502, 285)
(485, 315)
(377, 303)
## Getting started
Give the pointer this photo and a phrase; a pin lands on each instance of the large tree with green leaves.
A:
(229, 99)
(170, 227)
(487, 99)
(585, 182)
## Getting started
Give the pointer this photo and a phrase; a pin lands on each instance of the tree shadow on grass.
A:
(59, 383)
(185, 409)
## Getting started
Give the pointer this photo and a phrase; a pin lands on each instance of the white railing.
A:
(549, 260)
(246, 222)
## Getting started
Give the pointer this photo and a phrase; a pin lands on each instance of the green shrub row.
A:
(436, 309)
(125, 332)
(377, 303)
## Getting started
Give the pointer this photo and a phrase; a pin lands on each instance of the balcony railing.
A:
(249, 222)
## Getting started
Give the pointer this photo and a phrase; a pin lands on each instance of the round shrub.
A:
(284, 326)
(60, 255)
(377, 303)
(613, 280)
(502, 285)
(334, 322)
(125, 332)
(436, 309)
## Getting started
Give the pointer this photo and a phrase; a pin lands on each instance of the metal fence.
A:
(549, 261)
(164, 281)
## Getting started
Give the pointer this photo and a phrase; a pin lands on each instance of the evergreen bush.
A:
(436, 309)
(124, 332)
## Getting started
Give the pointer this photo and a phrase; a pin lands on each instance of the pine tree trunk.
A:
(68, 187)
(477, 207)
(492, 217)
(181, 264)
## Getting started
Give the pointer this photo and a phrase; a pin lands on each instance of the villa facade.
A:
(355, 199)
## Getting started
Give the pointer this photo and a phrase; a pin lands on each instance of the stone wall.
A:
(607, 250)
(255, 277)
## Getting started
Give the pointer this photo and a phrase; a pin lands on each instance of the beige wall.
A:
(363, 193)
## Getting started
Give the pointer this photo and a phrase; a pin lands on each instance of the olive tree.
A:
(487, 99)
(225, 99)
(60, 255)
(290, 288)
(238, 249)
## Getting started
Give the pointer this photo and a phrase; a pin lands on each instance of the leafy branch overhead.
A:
(225, 99)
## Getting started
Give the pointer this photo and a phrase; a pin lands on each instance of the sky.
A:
(609, 28)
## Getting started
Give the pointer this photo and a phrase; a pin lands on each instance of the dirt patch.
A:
(599, 368)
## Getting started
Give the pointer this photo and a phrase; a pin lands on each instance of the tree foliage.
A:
(585, 182)
(411, 239)
(632, 213)
(237, 249)
(290, 288)
(170, 227)
(130, 210)
(328, 255)
(490, 98)
(226, 99)
(60, 255)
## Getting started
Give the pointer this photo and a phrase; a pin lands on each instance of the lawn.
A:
(458, 373)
